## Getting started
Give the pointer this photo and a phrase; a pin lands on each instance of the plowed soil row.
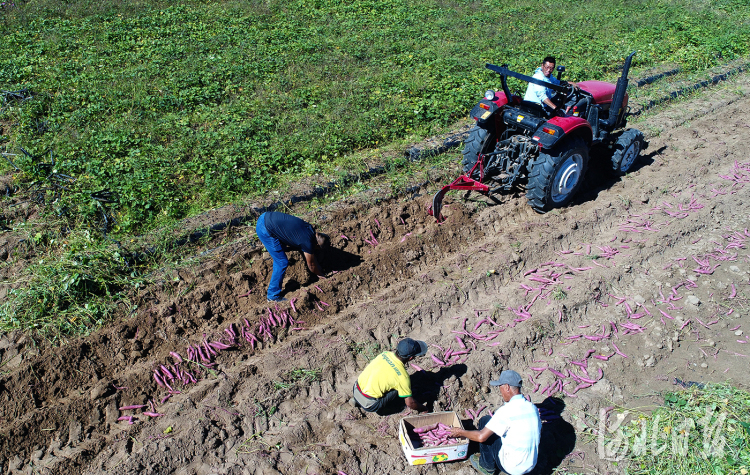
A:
(653, 266)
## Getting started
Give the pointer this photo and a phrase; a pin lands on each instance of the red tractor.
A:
(516, 142)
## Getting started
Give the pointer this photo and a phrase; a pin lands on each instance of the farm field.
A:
(178, 108)
(119, 121)
(141, 140)
(661, 254)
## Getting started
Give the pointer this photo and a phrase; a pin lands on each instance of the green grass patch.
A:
(296, 376)
(704, 431)
(559, 294)
(71, 289)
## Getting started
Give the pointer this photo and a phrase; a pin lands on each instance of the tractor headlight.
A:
(489, 95)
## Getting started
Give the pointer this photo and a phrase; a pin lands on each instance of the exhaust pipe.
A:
(504, 81)
(618, 98)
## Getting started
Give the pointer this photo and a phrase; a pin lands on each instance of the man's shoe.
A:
(353, 402)
(474, 459)
(280, 299)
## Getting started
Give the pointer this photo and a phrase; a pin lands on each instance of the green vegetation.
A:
(559, 294)
(703, 431)
(176, 107)
(295, 376)
(367, 350)
(72, 291)
(167, 109)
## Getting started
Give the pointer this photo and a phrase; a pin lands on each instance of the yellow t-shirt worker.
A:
(384, 382)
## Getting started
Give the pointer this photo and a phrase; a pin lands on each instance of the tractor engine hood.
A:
(601, 91)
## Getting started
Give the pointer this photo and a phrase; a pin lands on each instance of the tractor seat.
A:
(533, 108)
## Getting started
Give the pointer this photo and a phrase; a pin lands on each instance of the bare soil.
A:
(663, 250)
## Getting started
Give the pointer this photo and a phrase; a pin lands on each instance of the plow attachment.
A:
(463, 182)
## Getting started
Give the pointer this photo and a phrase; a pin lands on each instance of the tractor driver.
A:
(540, 94)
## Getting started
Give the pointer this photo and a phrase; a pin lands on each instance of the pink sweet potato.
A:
(428, 428)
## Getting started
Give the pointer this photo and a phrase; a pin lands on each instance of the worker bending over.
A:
(277, 230)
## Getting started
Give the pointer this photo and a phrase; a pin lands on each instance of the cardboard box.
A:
(443, 453)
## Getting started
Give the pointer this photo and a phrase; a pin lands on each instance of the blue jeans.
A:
(489, 451)
(280, 262)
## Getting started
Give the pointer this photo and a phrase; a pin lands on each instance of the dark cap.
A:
(407, 348)
(508, 377)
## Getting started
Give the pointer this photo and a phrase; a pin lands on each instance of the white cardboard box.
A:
(443, 453)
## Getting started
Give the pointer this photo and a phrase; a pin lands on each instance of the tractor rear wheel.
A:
(479, 141)
(556, 177)
(627, 148)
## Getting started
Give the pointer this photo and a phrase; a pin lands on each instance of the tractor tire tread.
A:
(541, 175)
(624, 140)
(473, 146)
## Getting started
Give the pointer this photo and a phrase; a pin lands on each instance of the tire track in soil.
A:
(124, 353)
(412, 288)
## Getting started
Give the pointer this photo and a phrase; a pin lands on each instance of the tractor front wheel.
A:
(555, 177)
(627, 148)
(479, 141)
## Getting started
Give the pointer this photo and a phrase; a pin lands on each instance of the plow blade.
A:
(461, 183)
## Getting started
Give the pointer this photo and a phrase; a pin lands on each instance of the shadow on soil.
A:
(338, 260)
(599, 176)
(558, 438)
(333, 259)
(427, 384)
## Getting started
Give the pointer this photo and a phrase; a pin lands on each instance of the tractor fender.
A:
(485, 110)
(552, 131)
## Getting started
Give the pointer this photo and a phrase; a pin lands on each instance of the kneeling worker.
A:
(385, 379)
(509, 440)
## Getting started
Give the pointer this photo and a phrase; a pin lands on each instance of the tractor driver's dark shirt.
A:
(291, 231)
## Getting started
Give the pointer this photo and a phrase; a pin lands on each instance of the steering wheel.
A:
(570, 94)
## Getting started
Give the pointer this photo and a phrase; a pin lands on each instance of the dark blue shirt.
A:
(291, 231)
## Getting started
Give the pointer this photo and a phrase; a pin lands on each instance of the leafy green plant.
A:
(295, 376)
(698, 430)
(559, 294)
(368, 350)
(281, 385)
(70, 292)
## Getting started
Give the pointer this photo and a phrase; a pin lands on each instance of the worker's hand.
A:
(412, 404)
(455, 432)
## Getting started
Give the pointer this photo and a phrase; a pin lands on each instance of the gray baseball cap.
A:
(508, 377)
